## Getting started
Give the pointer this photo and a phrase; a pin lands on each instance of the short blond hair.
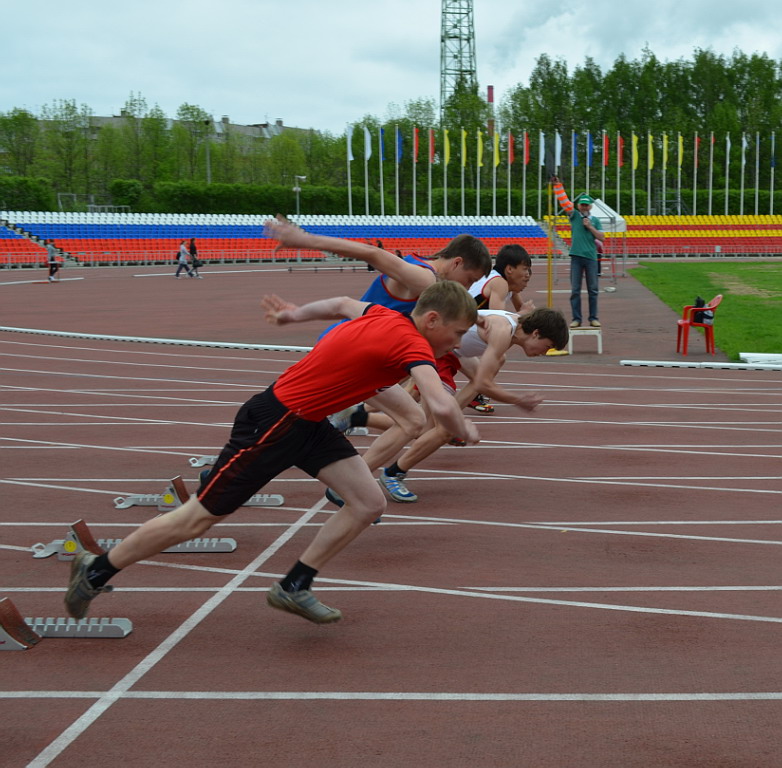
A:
(450, 300)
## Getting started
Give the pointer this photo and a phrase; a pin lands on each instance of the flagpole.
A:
(510, 160)
(664, 207)
(446, 152)
(464, 163)
(414, 160)
(757, 171)
(711, 167)
(589, 160)
(741, 178)
(524, 164)
(727, 170)
(494, 158)
(397, 153)
(696, 143)
(349, 136)
(380, 148)
(649, 164)
(619, 153)
(367, 155)
(679, 161)
(632, 168)
(478, 165)
(541, 161)
(573, 160)
(429, 171)
(603, 161)
(773, 166)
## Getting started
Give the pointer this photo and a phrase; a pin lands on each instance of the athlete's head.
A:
(465, 259)
(544, 329)
(443, 313)
(515, 265)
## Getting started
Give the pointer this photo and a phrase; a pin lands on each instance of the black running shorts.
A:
(267, 439)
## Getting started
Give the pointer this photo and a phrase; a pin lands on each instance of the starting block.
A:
(176, 494)
(80, 539)
(586, 332)
(20, 634)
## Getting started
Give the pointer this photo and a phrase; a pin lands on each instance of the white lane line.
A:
(453, 696)
(121, 688)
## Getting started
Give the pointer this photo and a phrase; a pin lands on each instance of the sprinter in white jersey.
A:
(499, 289)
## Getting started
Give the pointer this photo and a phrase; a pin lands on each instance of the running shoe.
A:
(595, 323)
(341, 419)
(395, 487)
(575, 324)
(481, 404)
(457, 441)
(302, 603)
(334, 498)
(80, 593)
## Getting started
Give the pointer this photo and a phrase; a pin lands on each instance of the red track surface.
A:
(596, 584)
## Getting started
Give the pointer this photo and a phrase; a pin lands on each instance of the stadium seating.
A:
(127, 238)
(16, 250)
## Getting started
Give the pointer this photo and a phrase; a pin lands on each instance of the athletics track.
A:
(596, 584)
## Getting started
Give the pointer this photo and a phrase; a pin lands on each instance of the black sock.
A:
(299, 577)
(394, 470)
(101, 571)
(359, 417)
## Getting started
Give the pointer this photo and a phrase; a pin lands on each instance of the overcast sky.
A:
(322, 65)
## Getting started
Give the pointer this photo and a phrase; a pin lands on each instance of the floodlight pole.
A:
(297, 190)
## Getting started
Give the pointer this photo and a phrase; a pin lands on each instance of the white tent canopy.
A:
(610, 220)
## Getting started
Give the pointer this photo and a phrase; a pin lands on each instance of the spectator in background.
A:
(182, 260)
(585, 233)
(52, 260)
(195, 262)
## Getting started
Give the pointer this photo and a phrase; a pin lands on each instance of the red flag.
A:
(511, 148)
(415, 145)
(431, 146)
(526, 148)
(620, 148)
(605, 149)
(697, 147)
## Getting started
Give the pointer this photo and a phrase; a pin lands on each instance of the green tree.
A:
(19, 134)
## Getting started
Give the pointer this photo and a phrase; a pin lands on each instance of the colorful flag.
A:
(367, 143)
(665, 151)
(680, 156)
(415, 144)
(431, 146)
(574, 151)
(464, 147)
(620, 149)
(696, 147)
(606, 149)
(649, 151)
(590, 148)
(446, 147)
(480, 148)
(398, 145)
(526, 148)
(511, 149)
(350, 143)
(635, 151)
(382, 145)
(496, 148)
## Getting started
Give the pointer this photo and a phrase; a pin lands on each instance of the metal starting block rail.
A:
(67, 548)
(176, 494)
(20, 634)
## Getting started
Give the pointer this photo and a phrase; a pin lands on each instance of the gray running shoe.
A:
(302, 603)
(395, 487)
(341, 419)
(80, 593)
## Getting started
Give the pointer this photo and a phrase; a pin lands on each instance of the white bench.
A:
(587, 331)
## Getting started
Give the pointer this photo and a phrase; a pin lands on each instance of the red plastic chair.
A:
(687, 321)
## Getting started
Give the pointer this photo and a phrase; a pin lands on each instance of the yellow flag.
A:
(464, 147)
(496, 148)
(650, 151)
(635, 151)
(480, 149)
(447, 146)
(681, 150)
(665, 151)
